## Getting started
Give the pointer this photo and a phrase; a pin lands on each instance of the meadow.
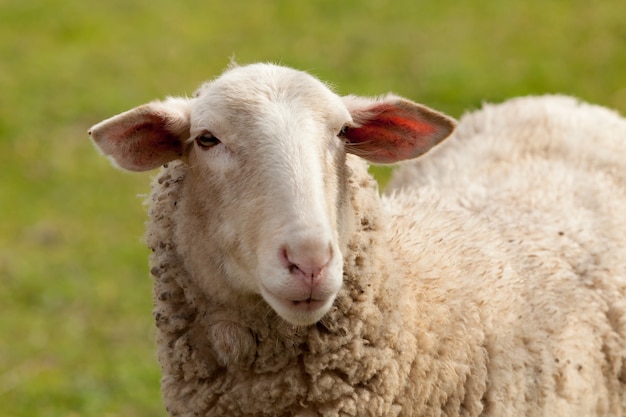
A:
(76, 330)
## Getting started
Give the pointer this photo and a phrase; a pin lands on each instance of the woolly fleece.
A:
(491, 282)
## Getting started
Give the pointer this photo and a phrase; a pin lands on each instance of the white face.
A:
(264, 189)
(263, 207)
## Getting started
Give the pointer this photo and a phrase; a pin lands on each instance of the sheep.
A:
(491, 280)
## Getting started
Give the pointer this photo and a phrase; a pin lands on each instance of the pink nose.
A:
(307, 259)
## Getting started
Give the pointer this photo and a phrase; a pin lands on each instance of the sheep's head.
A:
(263, 210)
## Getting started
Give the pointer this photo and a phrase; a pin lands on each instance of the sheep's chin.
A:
(298, 313)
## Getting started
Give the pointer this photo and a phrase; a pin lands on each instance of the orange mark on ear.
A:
(390, 134)
(412, 125)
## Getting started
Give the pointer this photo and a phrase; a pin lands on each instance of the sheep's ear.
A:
(145, 137)
(393, 129)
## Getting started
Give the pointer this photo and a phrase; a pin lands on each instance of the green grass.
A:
(76, 332)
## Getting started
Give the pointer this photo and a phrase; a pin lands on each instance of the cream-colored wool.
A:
(491, 282)
(534, 189)
(506, 298)
(355, 361)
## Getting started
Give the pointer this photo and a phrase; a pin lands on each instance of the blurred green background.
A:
(76, 331)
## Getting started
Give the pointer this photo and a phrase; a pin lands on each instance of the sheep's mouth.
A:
(305, 304)
(309, 303)
(304, 311)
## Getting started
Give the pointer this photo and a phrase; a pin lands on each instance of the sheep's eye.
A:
(343, 131)
(207, 140)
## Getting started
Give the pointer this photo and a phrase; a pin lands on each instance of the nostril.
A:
(308, 272)
(293, 268)
(307, 258)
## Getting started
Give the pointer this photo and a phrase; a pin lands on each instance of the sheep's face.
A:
(264, 210)
(266, 168)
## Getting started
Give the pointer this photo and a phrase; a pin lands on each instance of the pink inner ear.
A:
(139, 140)
(152, 144)
(392, 135)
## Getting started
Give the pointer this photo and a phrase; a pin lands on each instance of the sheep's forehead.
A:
(267, 93)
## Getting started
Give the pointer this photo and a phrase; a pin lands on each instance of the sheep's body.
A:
(462, 294)
(534, 189)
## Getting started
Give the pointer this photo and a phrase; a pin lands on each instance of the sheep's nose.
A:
(307, 258)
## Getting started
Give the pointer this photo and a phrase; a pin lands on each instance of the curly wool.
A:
(243, 360)
(507, 298)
